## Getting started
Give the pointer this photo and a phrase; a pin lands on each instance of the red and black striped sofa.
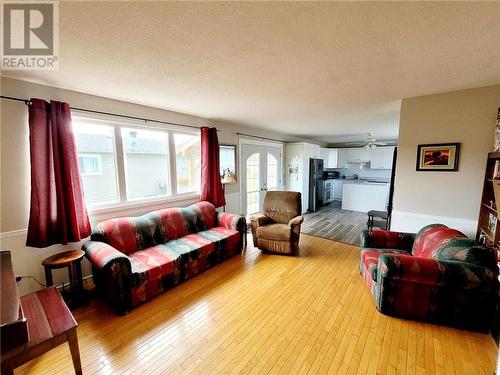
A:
(437, 275)
(136, 258)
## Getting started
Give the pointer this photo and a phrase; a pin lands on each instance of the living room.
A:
(167, 102)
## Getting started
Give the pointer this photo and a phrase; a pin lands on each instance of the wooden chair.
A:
(50, 324)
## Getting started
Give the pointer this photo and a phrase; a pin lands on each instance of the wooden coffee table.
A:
(73, 260)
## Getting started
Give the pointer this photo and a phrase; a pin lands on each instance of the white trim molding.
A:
(402, 221)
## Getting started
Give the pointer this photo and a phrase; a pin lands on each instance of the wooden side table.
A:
(73, 260)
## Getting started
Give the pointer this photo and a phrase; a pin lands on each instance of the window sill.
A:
(98, 214)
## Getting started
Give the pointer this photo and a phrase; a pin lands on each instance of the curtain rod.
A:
(259, 137)
(27, 102)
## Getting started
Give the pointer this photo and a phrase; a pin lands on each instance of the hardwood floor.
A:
(333, 223)
(266, 314)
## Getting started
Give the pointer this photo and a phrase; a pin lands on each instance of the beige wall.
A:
(15, 166)
(466, 116)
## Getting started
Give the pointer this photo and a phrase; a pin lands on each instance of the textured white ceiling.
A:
(329, 71)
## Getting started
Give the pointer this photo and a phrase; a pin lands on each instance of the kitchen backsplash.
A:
(363, 173)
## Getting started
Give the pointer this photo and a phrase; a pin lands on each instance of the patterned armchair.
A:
(277, 230)
(437, 275)
(135, 259)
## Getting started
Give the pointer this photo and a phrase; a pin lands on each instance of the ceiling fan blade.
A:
(356, 144)
(381, 143)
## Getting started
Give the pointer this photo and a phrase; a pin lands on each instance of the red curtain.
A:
(211, 187)
(58, 213)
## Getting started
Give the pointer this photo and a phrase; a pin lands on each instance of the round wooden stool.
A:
(73, 260)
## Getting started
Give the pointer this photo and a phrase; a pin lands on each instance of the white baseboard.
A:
(412, 222)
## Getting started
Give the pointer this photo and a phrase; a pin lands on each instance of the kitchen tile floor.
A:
(333, 223)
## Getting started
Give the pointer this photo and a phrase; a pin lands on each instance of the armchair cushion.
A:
(282, 206)
(384, 239)
(274, 232)
(429, 238)
(454, 274)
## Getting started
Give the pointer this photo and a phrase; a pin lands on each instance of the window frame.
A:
(124, 205)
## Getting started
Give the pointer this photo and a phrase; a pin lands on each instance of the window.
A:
(121, 163)
(90, 164)
(146, 163)
(96, 159)
(227, 155)
(187, 162)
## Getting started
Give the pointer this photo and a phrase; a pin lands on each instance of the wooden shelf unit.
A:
(489, 207)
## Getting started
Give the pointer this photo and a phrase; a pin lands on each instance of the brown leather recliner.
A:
(277, 230)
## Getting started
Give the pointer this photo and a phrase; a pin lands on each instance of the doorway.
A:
(261, 172)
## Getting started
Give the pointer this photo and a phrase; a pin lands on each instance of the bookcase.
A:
(488, 228)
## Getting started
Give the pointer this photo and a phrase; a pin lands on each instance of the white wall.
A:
(452, 198)
(15, 168)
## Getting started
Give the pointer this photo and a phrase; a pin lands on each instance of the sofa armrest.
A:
(259, 220)
(101, 255)
(384, 239)
(231, 221)
(428, 271)
(112, 270)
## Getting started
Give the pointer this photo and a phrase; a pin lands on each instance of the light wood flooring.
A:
(267, 314)
(332, 222)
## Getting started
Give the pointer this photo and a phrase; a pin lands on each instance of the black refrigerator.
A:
(315, 184)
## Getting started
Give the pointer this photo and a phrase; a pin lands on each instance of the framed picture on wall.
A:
(439, 157)
(227, 155)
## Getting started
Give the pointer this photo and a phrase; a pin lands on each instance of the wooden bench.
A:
(50, 324)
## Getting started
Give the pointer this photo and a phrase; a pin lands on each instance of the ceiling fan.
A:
(369, 144)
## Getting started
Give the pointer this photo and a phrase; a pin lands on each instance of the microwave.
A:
(330, 174)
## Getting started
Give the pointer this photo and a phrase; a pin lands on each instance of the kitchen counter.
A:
(365, 195)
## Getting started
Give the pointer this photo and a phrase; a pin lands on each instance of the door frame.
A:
(258, 142)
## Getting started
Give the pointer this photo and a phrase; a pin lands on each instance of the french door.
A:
(261, 172)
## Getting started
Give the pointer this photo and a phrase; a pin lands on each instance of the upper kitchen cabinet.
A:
(352, 155)
(330, 157)
(382, 158)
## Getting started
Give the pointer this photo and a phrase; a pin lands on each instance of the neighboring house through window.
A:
(121, 163)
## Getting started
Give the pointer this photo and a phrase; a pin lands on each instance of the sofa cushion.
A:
(429, 238)
(153, 264)
(274, 232)
(137, 233)
(130, 234)
(225, 240)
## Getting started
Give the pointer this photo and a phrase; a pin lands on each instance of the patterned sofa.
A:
(134, 259)
(437, 275)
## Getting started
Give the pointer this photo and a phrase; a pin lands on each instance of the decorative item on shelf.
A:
(439, 157)
(496, 192)
(492, 223)
(496, 145)
(496, 171)
(228, 178)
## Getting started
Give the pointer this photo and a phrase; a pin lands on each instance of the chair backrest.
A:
(437, 241)
(282, 206)
(130, 234)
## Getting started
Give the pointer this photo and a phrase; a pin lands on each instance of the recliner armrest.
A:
(297, 220)
(259, 219)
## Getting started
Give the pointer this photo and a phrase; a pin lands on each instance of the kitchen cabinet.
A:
(352, 155)
(364, 197)
(333, 155)
(341, 158)
(337, 189)
(382, 158)
(329, 156)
